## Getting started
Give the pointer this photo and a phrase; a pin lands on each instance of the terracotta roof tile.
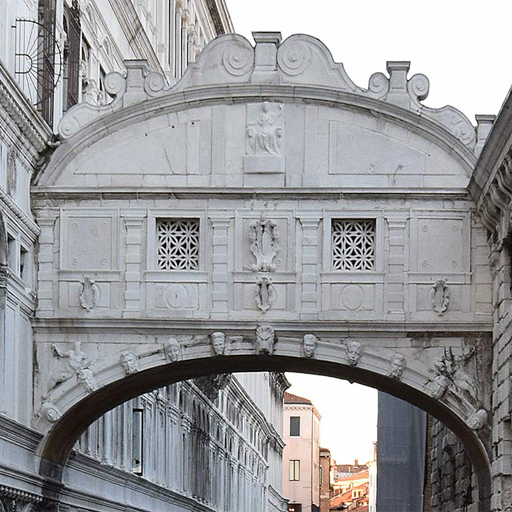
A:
(289, 398)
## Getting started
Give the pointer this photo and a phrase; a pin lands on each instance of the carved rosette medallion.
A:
(264, 234)
(265, 294)
(440, 297)
(89, 295)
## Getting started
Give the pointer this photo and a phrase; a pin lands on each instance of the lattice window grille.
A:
(177, 244)
(353, 245)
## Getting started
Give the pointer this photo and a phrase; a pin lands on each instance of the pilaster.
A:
(220, 277)
(396, 268)
(309, 292)
(45, 273)
(133, 261)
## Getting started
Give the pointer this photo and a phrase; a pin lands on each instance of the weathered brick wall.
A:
(501, 374)
(453, 480)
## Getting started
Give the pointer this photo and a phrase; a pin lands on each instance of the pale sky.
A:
(464, 49)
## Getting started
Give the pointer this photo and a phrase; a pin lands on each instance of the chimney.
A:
(356, 462)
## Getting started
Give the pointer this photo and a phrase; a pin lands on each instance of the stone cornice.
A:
(496, 147)
(42, 193)
(9, 205)
(283, 327)
(17, 107)
(135, 33)
(220, 16)
(19, 434)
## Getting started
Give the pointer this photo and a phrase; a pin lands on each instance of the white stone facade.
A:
(247, 456)
(336, 235)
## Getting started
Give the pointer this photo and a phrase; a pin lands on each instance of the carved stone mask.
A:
(354, 352)
(309, 345)
(219, 343)
(172, 349)
(129, 362)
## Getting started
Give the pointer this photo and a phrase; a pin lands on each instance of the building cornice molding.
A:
(8, 205)
(340, 328)
(23, 115)
(42, 193)
(135, 33)
(491, 182)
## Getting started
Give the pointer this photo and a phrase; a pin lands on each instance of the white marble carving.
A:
(86, 380)
(172, 350)
(89, 294)
(451, 368)
(129, 362)
(309, 343)
(50, 412)
(263, 134)
(354, 352)
(218, 340)
(265, 339)
(397, 366)
(478, 420)
(437, 386)
(440, 297)
(265, 294)
(76, 359)
(264, 234)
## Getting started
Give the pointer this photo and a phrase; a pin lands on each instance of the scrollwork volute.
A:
(238, 58)
(294, 57)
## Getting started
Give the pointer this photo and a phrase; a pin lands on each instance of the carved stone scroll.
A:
(264, 235)
(89, 295)
(440, 297)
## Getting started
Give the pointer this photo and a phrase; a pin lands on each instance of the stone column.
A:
(220, 267)
(309, 293)
(45, 273)
(133, 260)
(395, 292)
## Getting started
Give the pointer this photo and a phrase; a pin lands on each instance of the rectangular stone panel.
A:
(89, 242)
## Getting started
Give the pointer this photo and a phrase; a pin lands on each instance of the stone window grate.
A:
(177, 244)
(353, 244)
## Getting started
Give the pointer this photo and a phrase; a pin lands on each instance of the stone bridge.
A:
(265, 213)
